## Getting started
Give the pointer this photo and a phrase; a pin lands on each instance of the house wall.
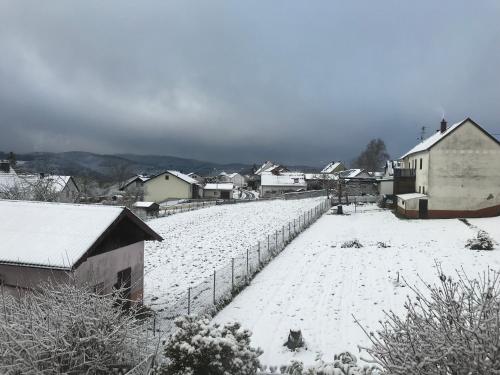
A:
(419, 162)
(386, 187)
(465, 172)
(103, 268)
(159, 189)
(238, 180)
(70, 192)
(212, 193)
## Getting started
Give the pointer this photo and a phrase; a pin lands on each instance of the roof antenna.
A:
(422, 134)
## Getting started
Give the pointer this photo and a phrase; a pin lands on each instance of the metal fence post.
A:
(289, 230)
(189, 301)
(268, 243)
(214, 286)
(232, 274)
(258, 252)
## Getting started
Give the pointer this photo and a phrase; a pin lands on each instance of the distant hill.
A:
(107, 167)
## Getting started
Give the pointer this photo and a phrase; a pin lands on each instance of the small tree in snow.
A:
(481, 242)
(451, 328)
(62, 328)
(198, 348)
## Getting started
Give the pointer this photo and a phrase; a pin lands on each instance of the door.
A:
(422, 208)
(224, 194)
(124, 283)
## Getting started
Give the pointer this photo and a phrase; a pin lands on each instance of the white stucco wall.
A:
(159, 189)
(386, 187)
(465, 171)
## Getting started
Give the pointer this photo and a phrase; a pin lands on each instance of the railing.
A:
(404, 172)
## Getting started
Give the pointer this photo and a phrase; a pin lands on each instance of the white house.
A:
(100, 246)
(277, 184)
(456, 173)
(237, 179)
(221, 190)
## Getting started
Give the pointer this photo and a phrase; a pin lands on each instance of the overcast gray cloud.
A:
(300, 82)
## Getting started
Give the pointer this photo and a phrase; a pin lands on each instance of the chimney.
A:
(443, 125)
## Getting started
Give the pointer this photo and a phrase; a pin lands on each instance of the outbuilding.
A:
(98, 246)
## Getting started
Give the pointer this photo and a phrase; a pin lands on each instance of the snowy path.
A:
(196, 242)
(316, 285)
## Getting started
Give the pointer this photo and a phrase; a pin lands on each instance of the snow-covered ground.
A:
(196, 242)
(316, 285)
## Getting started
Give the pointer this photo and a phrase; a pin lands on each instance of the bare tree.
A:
(373, 157)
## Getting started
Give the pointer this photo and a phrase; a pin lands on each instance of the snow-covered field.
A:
(316, 285)
(196, 242)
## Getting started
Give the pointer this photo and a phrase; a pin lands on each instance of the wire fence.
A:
(218, 289)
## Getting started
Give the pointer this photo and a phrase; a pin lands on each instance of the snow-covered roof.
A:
(331, 167)
(144, 204)
(219, 186)
(350, 173)
(320, 176)
(183, 177)
(283, 179)
(138, 177)
(55, 235)
(432, 140)
(406, 197)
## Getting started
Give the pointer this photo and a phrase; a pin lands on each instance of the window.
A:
(419, 189)
(423, 189)
(420, 163)
(215, 193)
(295, 180)
(166, 177)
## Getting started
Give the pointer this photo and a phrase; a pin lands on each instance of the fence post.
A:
(294, 230)
(289, 230)
(189, 301)
(276, 240)
(232, 275)
(283, 236)
(258, 252)
(248, 268)
(214, 286)
(268, 243)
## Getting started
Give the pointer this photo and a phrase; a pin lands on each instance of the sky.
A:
(301, 82)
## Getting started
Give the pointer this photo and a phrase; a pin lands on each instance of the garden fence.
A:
(225, 282)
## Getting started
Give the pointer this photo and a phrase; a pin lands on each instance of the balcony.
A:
(402, 172)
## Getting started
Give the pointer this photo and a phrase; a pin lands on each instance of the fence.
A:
(347, 199)
(305, 194)
(225, 282)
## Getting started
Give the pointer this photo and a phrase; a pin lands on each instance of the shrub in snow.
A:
(352, 244)
(199, 348)
(383, 245)
(343, 364)
(481, 242)
(62, 328)
(451, 328)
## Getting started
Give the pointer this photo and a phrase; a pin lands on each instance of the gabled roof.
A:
(438, 137)
(58, 235)
(138, 177)
(331, 167)
(179, 175)
(283, 179)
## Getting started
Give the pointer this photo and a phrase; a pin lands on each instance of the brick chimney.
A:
(443, 125)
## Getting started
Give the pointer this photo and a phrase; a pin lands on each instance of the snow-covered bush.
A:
(63, 328)
(451, 328)
(343, 364)
(199, 348)
(352, 244)
(481, 242)
(383, 245)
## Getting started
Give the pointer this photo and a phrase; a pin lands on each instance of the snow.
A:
(432, 140)
(183, 177)
(51, 234)
(283, 179)
(143, 204)
(331, 167)
(219, 186)
(316, 285)
(409, 196)
(196, 242)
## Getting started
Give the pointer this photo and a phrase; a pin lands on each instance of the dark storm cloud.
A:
(301, 82)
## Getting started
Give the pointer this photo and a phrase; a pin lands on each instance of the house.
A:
(134, 183)
(171, 185)
(100, 246)
(40, 187)
(386, 181)
(277, 184)
(222, 190)
(455, 173)
(271, 167)
(146, 209)
(197, 177)
(237, 179)
(333, 167)
(318, 181)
